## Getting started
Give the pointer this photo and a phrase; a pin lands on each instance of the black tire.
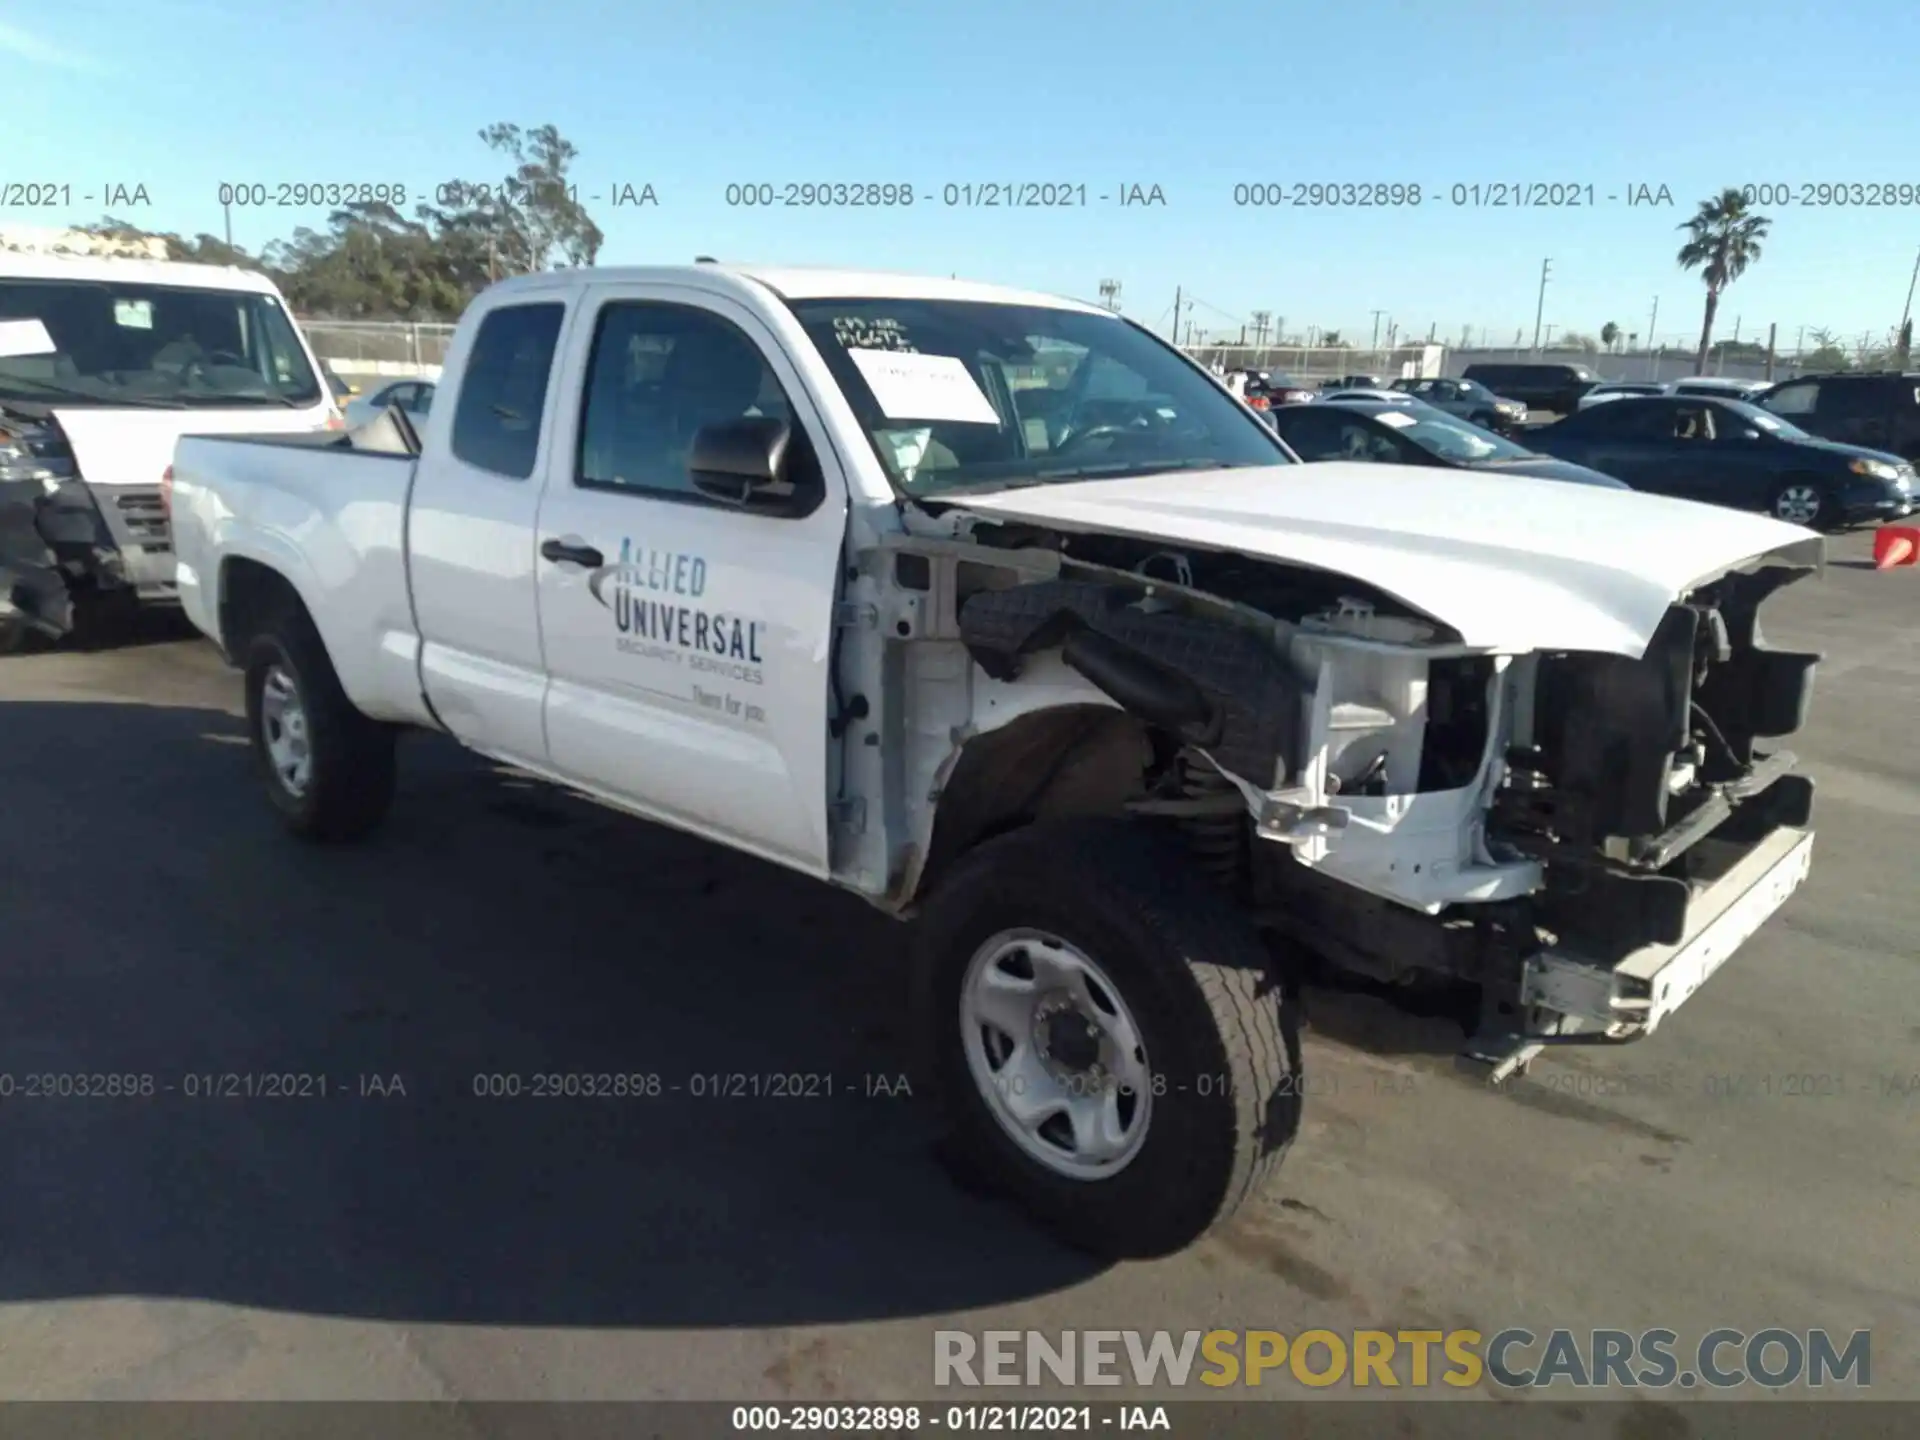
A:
(1201, 989)
(350, 785)
(16, 638)
(1825, 518)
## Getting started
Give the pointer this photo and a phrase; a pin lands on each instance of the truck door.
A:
(470, 523)
(687, 638)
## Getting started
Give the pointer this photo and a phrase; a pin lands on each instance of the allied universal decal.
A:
(655, 595)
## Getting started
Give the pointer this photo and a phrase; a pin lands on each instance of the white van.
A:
(104, 364)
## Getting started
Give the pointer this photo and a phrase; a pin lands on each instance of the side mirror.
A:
(741, 461)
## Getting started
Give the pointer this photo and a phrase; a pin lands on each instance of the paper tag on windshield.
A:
(1399, 419)
(908, 448)
(24, 337)
(923, 387)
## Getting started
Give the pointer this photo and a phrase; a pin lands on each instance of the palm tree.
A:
(1609, 335)
(1723, 240)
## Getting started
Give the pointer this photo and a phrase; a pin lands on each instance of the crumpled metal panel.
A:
(53, 544)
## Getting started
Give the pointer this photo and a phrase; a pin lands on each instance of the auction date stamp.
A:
(198, 1085)
(697, 1085)
(45, 194)
(1457, 195)
(954, 195)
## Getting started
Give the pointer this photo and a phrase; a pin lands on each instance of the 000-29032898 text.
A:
(897, 1419)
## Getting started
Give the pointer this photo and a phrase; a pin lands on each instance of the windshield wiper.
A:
(215, 402)
(55, 393)
(1133, 468)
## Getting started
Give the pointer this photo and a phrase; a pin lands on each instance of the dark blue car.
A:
(1727, 452)
(1413, 433)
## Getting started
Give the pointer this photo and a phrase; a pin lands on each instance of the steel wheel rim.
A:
(1056, 1054)
(283, 730)
(1798, 504)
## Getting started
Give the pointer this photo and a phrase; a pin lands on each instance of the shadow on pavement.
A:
(156, 925)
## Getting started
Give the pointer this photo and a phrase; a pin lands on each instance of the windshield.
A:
(1766, 420)
(965, 395)
(1450, 439)
(151, 345)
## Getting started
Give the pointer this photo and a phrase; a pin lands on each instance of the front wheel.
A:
(1803, 502)
(1107, 1037)
(328, 769)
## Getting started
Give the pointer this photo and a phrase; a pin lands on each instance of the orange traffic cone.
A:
(1895, 545)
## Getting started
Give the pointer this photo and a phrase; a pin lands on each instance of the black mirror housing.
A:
(742, 461)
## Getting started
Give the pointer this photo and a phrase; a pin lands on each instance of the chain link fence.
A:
(353, 348)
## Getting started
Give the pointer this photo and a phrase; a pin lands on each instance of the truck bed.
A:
(330, 517)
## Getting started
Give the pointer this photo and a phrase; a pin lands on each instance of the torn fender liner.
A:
(1211, 683)
(52, 541)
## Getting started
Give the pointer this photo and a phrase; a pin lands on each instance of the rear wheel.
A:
(1802, 501)
(1106, 1036)
(329, 770)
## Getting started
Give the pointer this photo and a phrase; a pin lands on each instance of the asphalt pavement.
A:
(410, 1234)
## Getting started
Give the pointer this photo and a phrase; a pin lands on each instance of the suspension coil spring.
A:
(1219, 841)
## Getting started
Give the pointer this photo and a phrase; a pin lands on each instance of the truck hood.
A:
(1508, 567)
(134, 447)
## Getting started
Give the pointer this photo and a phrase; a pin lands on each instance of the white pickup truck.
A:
(104, 364)
(996, 610)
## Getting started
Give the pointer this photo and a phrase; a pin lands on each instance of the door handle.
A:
(562, 552)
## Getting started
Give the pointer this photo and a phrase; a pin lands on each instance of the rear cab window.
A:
(503, 392)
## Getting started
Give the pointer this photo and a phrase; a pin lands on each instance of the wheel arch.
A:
(1065, 761)
(250, 591)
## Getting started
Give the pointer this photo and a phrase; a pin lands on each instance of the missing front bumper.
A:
(1628, 998)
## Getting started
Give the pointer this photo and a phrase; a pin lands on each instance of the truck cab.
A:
(104, 363)
(998, 611)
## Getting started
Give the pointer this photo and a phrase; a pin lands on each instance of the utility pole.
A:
(1540, 307)
(1376, 328)
(228, 207)
(1653, 322)
(1771, 329)
(1177, 294)
(1906, 314)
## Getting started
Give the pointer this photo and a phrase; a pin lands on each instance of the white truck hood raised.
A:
(1510, 563)
(134, 447)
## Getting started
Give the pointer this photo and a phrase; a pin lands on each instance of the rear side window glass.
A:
(496, 425)
(1856, 400)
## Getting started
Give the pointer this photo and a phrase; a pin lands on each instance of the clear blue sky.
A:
(180, 95)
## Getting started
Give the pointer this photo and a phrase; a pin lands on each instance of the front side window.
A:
(967, 395)
(109, 343)
(658, 374)
(496, 425)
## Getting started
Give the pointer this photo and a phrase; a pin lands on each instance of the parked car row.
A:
(1693, 385)
(1713, 449)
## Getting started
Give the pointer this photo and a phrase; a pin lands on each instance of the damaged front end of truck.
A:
(59, 553)
(1583, 835)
